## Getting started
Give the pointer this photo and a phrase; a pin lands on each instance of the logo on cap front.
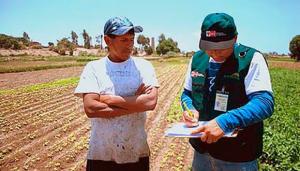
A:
(211, 33)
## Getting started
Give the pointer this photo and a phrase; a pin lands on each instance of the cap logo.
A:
(212, 33)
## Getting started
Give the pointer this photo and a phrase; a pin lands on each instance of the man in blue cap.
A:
(116, 91)
(228, 85)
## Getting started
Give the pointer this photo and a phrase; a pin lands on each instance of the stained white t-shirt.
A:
(257, 78)
(121, 139)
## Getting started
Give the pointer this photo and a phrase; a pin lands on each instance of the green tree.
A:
(86, 39)
(50, 44)
(148, 50)
(295, 48)
(166, 45)
(64, 45)
(161, 38)
(144, 42)
(9, 42)
(74, 37)
(99, 39)
(26, 36)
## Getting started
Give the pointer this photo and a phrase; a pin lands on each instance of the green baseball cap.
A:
(217, 32)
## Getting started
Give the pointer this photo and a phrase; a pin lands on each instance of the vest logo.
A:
(196, 74)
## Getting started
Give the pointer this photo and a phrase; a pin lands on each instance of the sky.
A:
(267, 25)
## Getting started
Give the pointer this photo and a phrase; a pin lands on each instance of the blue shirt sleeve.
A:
(259, 107)
(186, 97)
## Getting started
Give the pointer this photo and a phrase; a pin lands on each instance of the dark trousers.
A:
(100, 165)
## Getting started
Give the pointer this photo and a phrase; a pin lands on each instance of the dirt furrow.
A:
(157, 142)
(37, 104)
(38, 125)
(16, 80)
(45, 141)
(164, 94)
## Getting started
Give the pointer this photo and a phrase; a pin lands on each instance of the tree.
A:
(134, 51)
(144, 42)
(295, 48)
(26, 36)
(166, 45)
(86, 39)
(99, 39)
(9, 42)
(148, 50)
(74, 38)
(161, 38)
(64, 45)
(50, 44)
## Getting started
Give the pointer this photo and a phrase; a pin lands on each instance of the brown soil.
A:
(45, 52)
(15, 80)
(48, 130)
(284, 64)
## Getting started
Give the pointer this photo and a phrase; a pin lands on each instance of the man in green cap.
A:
(228, 85)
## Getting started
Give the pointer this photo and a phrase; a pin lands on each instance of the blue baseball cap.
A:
(120, 26)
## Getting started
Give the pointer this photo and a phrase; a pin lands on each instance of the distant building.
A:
(152, 44)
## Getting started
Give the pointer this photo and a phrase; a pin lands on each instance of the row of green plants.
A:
(31, 88)
(37, 68)
(80, 58)
(282, 130)
(50, 63)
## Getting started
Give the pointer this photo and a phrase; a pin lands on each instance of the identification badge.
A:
(221, 101)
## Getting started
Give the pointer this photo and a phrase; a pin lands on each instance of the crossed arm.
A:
(107, 106)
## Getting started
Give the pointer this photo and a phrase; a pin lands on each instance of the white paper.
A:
(181, 130)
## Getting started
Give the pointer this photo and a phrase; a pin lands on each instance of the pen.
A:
(190, 113)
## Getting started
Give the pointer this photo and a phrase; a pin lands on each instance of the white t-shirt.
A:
(257, 78)
(121, 139)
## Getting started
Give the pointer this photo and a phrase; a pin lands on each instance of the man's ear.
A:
(235, 38)
(107, 40)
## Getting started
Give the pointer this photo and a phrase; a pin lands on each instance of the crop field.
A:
(33, 63)
(43, 125)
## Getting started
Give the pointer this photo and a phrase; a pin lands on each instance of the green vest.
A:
(230, 78)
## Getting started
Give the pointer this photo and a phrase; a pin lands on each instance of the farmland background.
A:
(43, 126)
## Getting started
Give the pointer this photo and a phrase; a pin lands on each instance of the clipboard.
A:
(181, 130)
